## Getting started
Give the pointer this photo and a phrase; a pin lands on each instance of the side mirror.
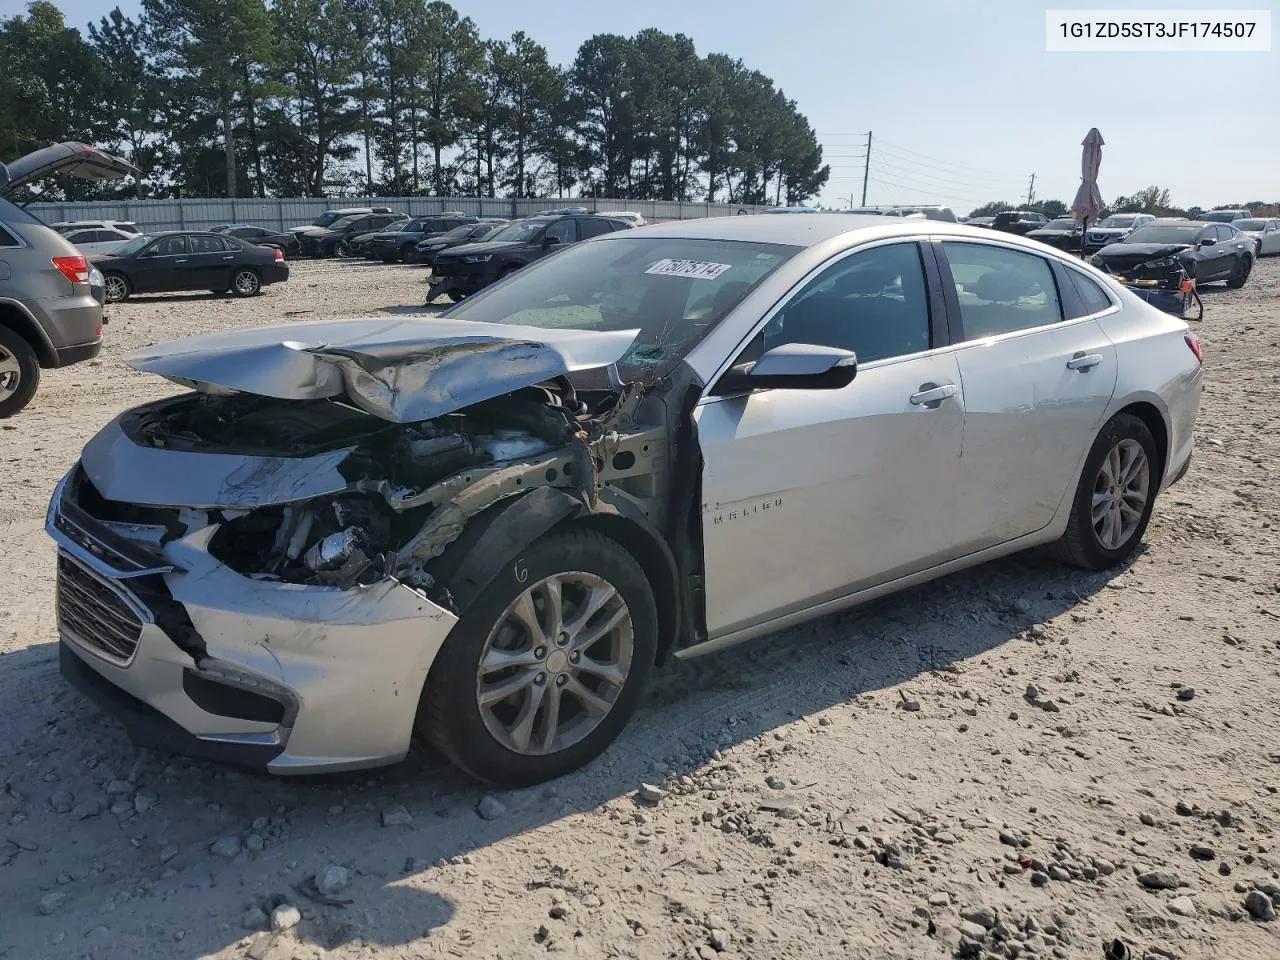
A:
(550, 241)
(1208, 242)
(792, 366)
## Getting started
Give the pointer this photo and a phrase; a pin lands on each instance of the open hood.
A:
(403, 371)
(72, 159)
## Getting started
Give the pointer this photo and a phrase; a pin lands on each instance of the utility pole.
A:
(866, 169)
(1031, 190)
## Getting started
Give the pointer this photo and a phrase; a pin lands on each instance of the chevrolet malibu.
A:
(490, 526)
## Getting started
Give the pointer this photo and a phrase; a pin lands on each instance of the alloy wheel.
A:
(554, 663)
(246, 283)
(1120, 494)
(115, 289)
(10, 374)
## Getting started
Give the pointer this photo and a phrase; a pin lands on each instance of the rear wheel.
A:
(19, 372)
(115, 288)
(246, 283)
(547, 665)
(1241, 273)
(1114, 498)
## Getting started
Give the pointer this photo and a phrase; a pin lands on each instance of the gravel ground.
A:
(1018, 761)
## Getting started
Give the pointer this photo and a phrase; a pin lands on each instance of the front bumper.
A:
(461, 279)
(197, 659)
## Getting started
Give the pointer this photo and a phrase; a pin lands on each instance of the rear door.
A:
(163, 266)
(210, 263)
(1038, 374)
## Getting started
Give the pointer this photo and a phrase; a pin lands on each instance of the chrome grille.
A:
(96, 613)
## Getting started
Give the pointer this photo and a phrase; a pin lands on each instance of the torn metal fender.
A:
(496, 537)
(404, 371)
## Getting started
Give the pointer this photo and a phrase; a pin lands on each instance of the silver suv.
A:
(50, 306)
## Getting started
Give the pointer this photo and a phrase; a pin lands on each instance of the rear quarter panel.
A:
(1156, 366)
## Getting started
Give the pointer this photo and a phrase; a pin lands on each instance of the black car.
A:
(175, 261)
(335, 239)
(396, 244)
(1063, 233)
(1020, 222)
(1209, 252)
(263, 237)
(426, 250)
(473, 266)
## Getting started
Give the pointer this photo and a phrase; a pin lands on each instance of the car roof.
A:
(806, 231)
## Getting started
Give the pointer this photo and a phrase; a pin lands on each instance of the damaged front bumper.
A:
(197, 659)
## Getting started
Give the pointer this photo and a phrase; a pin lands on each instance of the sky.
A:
(963, 102)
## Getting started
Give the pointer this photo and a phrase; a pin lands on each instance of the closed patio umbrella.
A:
(1088, 202)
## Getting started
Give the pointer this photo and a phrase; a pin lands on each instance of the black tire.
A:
(403, 255)
(1241, 273)
(341, 249)
(116, 287)
(16, 395)
(449, 715)
(246, 282)
(1080, 545)
(508, 271)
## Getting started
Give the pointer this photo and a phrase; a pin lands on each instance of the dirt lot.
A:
(862, 786)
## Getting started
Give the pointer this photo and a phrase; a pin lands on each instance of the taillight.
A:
(1193, 343)
(75, 269)
(279, 255)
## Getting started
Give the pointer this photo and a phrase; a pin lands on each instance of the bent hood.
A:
(482, 247)
(403, 371)
(1148, 250)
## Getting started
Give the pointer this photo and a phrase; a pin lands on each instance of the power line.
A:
(996, 174)
(925, 159)
(926, 182)
(956, 171)
(947, 183)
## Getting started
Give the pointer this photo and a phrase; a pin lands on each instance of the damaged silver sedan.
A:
(488, 527)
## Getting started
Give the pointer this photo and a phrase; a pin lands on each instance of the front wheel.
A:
(342, 249)
(547, 665)
(246, 283)
(1114, 498)
(115, 288)
(1241, 273)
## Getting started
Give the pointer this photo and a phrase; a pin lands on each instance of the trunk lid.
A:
(73, 159)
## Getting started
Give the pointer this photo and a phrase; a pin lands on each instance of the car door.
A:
(1038, 373)
(162, 266)
(810, 495)
(1270, 242)
(210, 263)
(562, 233)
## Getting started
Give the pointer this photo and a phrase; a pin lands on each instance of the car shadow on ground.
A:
(390, 826)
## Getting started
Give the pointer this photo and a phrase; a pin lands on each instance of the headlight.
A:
(478, 258)
(1160, 264)
(1096, 260)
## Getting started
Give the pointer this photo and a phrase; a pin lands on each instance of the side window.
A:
(872, 303)
(207, 245)
(7, 239)
(1094, 298)
(169, 247)
(1224, 233)
(1001, 290)
(593, 228)
(82, 236)
(360, 226)
(564, 230)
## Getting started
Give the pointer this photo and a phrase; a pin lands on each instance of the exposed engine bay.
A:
(411, 488)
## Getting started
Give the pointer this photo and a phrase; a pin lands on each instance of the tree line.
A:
(257, 98)
(1154, 199)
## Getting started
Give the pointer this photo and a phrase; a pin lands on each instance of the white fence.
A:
(279, 214)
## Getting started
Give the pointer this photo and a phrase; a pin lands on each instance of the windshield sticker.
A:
(694, 269)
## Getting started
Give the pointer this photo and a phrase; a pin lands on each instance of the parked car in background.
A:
(335, 239)
(1265, 232)
(50, 295)
(635, 219)
(1064, 233)
(1227, 215)
(322, 223)
(67, 226)
(98, 239)
(426, 250)
(793, 210)
(399, 242)
(931, 211)
(490, 526)
(980, 221)
(1019, 222)
(1209, 252)
(288, 242)
(471, 267)
(1113, 228)
(190, 260)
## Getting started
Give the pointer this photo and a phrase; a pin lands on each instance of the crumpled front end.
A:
(267, 580)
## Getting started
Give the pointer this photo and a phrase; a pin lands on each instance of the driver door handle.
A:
(1083, 361)
(230, 256)
(183, 260)
(934, 394)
